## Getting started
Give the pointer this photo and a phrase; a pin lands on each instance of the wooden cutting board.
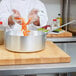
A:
(51, 54)
(64, 34)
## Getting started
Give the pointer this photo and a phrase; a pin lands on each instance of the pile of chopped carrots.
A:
(24, 26)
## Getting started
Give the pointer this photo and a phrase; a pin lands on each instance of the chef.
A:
(23, 8)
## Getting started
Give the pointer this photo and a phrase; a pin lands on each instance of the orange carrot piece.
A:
(28, 21)
(24, 25)
(17, 18)
(25, 33)
(28, 31)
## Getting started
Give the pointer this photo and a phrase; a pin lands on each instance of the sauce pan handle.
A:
(61, 26)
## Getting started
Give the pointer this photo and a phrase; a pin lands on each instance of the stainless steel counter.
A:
(67, 39)
(45, 68)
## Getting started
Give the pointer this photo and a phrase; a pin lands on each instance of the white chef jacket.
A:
(24, 7)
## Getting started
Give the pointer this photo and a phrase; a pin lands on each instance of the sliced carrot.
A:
(17, 18)
(24, 25)
(28, 31)
(28, 21)
(25, 33)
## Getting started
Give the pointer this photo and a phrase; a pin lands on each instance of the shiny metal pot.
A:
(32, 43)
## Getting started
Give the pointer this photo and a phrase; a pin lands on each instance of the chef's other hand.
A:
(35, 19)
(13, 18)
(16, 16)
(10, 21)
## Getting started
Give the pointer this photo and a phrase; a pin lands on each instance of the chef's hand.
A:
(35, 19)
(12, 20)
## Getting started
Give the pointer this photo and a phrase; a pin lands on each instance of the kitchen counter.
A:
(45, 68)
(65, 39)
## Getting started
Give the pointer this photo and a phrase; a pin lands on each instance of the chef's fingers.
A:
(19, 22)
(10, 21)
(34, 11)
(16, 15)
(34, 17)
(37, 21)
(16, 12)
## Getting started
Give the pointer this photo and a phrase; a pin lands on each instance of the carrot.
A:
(28, 21)
(17, 18)
(25, 34)
(28, 31)
(24, 26)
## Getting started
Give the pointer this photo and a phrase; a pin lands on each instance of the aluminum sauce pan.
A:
(32, 43)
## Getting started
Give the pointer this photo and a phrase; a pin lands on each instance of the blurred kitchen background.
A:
(53, 8)
(67, 10)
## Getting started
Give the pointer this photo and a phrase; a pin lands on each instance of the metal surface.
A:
(62, 10)
(69, 14)
(67, 39)
(66, 12)
(72, 16)
(34, 42)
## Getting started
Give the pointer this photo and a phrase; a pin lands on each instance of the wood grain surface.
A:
(51, 54)
(64, 34)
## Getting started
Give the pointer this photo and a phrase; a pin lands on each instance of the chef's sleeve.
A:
(4, 12)
(42, 13)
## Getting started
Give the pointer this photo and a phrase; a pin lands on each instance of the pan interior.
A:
(20, 33)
